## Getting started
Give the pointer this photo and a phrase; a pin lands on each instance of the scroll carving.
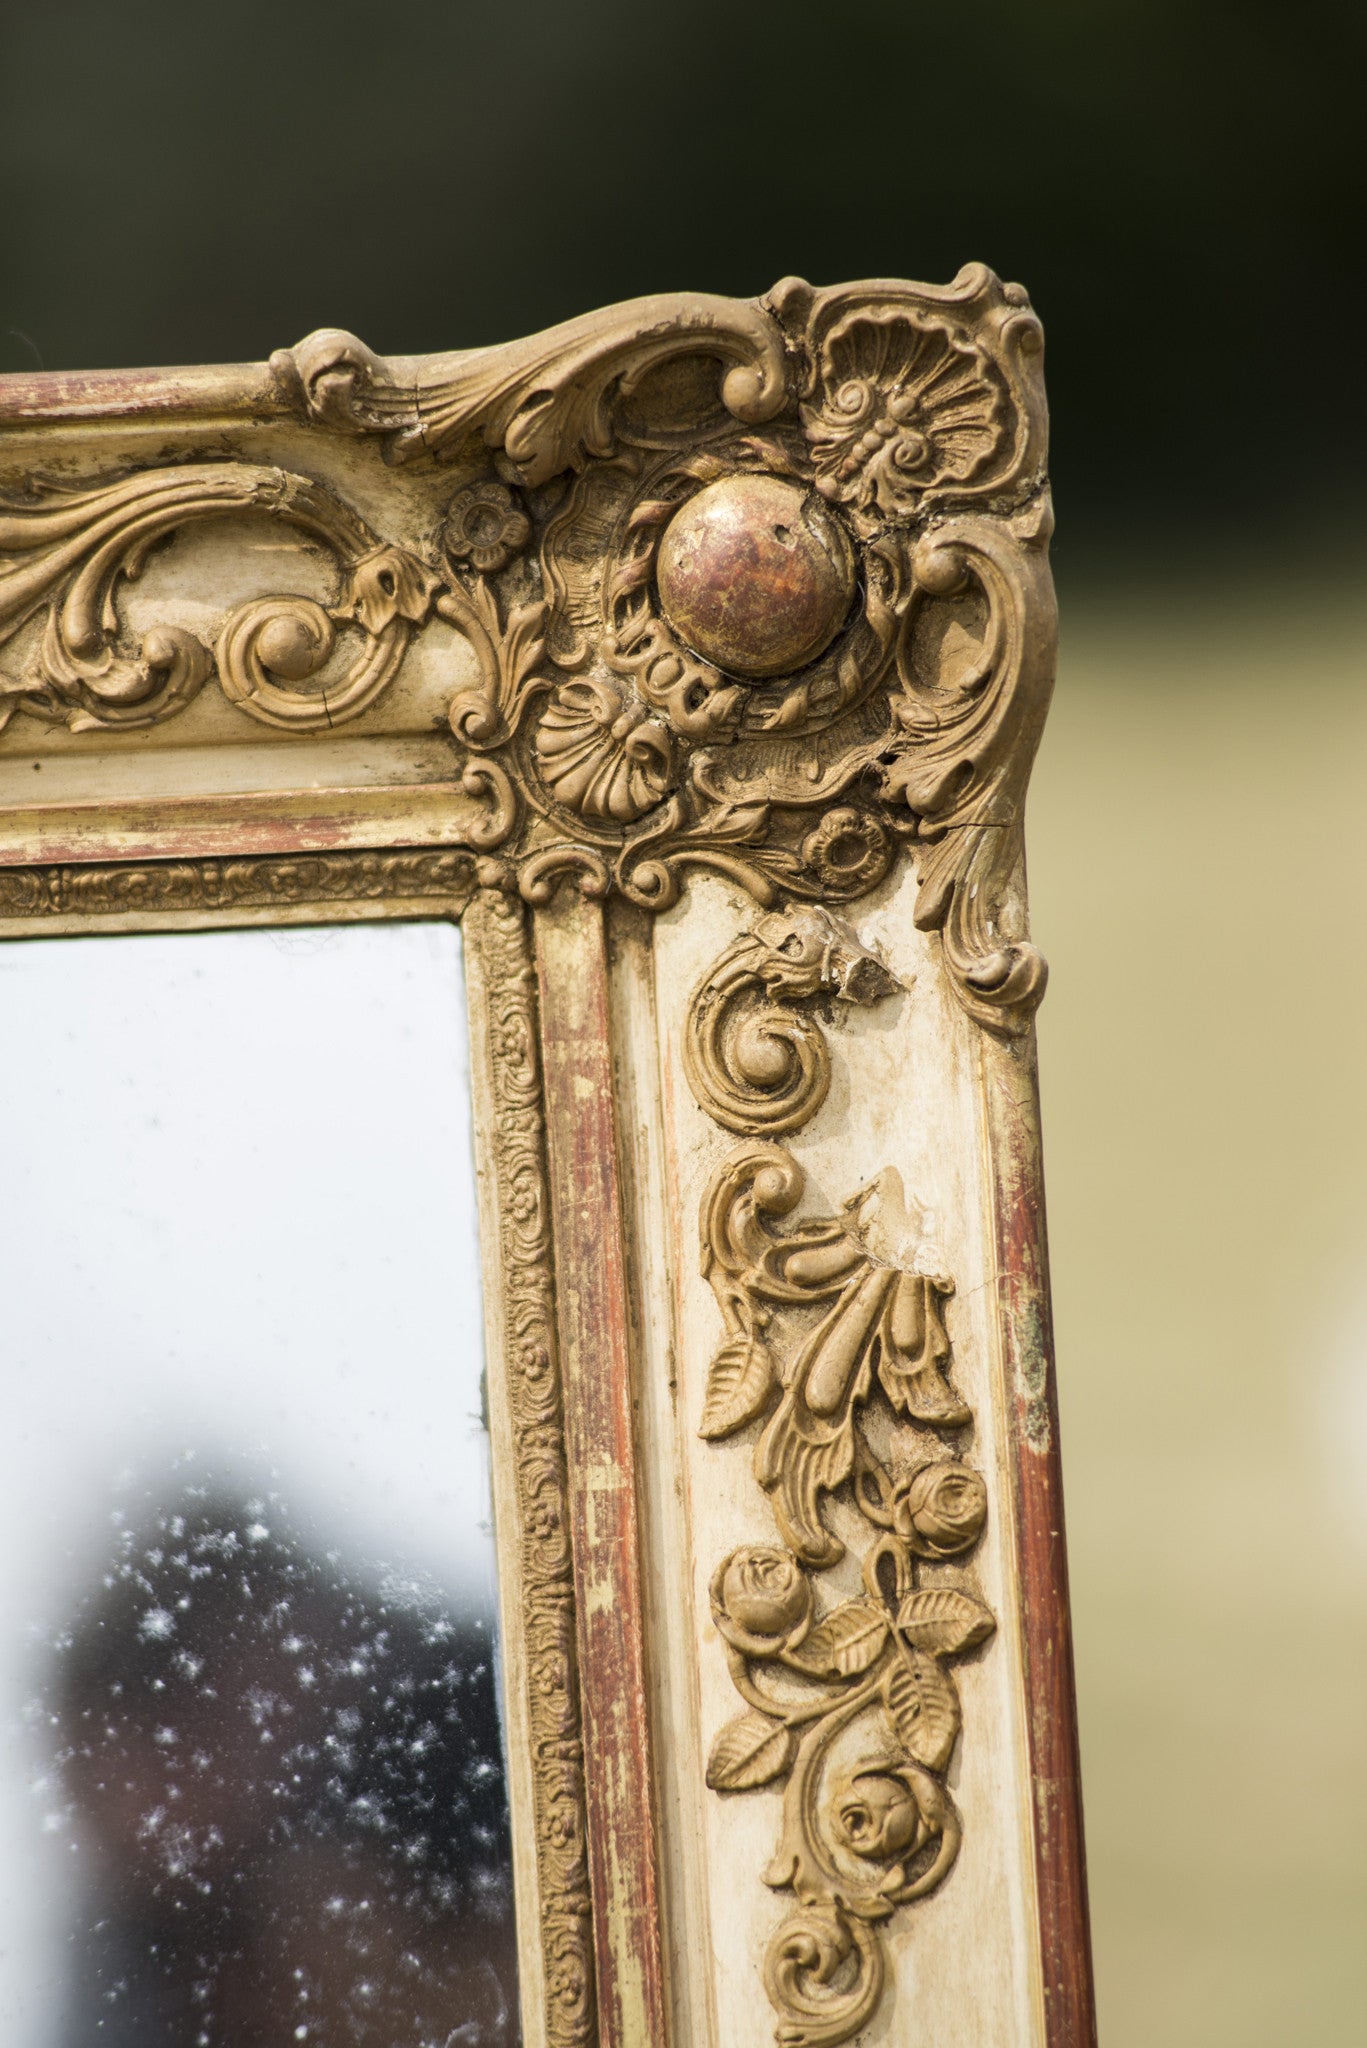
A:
(915, 416)
(850, 1705)
(753, 587)
(548, 403)
(761, 1066)
(69, 551)
(963, 753)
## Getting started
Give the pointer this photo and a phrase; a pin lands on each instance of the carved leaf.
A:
(749, 1751)
(547, 400)
(924, 1707)
(525, 639)
(945, 1620)
(739, 1383)
(845, 1643)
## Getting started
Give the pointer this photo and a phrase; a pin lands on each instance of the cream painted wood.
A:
(383, 777)
(905, 1092)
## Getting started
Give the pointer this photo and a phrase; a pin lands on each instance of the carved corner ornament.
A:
(778, 621)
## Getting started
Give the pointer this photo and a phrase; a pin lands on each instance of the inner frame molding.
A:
(694, 631)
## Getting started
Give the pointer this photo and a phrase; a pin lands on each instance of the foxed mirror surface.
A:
(254, 1785)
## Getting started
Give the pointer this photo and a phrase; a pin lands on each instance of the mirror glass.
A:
(253, 1785)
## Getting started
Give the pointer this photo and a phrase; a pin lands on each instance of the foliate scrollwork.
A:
(755, 1062)
(756, 588)
(69, 551)
(882, 1324)
(510, 650)
(783, 652)
(446, 877)
(965, 739)
(548, 403)
(849, 1706)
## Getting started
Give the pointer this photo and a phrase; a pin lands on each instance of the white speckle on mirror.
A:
(248, 1589)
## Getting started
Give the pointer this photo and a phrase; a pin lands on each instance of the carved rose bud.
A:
(567, 1984)
(534, 1361)
(941, 1509)
(877, 1816)
(550, 1675)
(544, 1519)
(485, 527)
(762, 1601)
(563, 1826)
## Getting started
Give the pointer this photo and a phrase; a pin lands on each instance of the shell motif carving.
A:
(600, 756)
(901, 404)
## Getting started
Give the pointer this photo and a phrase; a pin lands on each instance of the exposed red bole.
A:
(1016, 1188)
(594, 1321)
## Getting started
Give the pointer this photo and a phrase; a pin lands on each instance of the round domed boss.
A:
(755, 575)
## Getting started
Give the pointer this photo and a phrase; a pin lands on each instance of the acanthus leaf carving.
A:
(547, 403)
(511, 654)
(962, 754)
(852, 1709)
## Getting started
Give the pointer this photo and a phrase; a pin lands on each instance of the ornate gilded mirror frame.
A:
(694, 655)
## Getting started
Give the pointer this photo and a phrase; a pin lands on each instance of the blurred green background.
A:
(1181, 185)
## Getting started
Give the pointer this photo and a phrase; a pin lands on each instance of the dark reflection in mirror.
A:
(252, 1677)
(290, 1793)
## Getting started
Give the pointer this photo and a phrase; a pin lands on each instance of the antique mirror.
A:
(534, 1502)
